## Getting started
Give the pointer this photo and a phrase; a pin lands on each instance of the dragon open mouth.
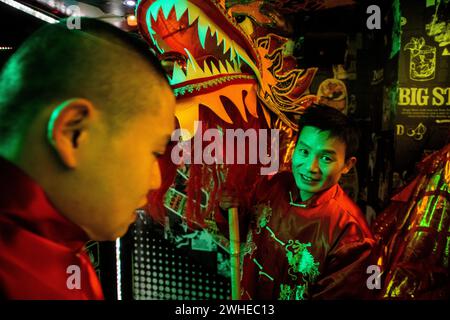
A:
(198, 53)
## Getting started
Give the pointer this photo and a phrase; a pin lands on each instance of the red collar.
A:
(23, 201)
(315, 200)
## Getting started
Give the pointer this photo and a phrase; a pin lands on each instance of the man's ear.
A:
(67, 129)
(349, 163)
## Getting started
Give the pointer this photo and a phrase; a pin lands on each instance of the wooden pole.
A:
(235, 253)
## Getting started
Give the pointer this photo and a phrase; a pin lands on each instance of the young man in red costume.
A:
(307, 239)
(84, 115)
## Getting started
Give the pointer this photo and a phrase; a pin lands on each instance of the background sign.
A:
(423, 109)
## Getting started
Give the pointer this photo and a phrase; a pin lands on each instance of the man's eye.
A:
(303, 152)
(327, 159)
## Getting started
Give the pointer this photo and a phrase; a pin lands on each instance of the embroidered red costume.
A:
(38, 245)
(319, 249)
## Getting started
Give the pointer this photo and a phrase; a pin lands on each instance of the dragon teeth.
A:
(214, 69)
(222, 68)
(236, 66)
(244, 56)
(178, 75)
(167, 7)
(202, 27)
(227, 44)
(192, 16)
(154, 9)
(194, 13)
(229, 67)
(220, 38)
(206, 70)
(234, 52)
(192, 66)
(180, 9)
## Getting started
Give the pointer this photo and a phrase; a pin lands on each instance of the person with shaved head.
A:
(84, 115)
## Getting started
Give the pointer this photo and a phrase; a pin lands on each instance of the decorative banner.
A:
(423, 109)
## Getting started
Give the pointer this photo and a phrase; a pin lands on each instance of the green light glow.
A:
(424, 206)
(447, 249)
(430, 3)
(51, 122)
(396, 28)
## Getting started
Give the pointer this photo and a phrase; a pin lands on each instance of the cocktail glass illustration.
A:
(422, 62)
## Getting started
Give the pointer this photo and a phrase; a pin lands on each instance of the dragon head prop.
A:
(228, 76)
(206, 47)
(206, 55)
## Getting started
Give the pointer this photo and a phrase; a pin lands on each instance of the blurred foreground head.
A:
(85, 113)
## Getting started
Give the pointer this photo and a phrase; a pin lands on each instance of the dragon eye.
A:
(240, 18)
(245, 22)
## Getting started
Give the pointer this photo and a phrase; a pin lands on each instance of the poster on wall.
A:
(423, 109)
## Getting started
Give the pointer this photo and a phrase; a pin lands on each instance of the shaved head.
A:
(86, 114)
(97, 63)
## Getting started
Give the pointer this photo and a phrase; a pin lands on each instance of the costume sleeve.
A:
(344, 275)
(260, 192)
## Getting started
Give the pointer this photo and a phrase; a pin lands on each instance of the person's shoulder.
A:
(8, 233)
(349, 212)
(346, 204)
(10, 258)
(34, 267)
(12, 240)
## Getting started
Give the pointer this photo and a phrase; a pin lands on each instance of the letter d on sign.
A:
(374, 281)
(74, 280)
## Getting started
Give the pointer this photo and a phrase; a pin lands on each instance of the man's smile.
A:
(308, 179)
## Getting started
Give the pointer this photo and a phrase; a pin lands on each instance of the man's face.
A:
(120, 168)
(318, 161)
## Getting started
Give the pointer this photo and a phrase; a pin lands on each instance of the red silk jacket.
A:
(319, 249)
(41, 252)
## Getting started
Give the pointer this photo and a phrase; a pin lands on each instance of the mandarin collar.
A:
(316, 200)
(25, 203)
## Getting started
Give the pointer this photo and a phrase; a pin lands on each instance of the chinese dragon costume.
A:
(230, 65)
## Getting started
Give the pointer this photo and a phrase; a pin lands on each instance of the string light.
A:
(118, 270)
(29, 10)
(130, 3)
